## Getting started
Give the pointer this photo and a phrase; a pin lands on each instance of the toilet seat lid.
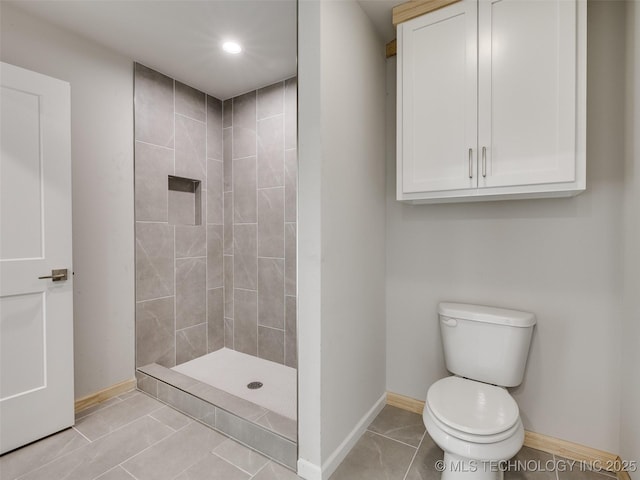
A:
(472, 407)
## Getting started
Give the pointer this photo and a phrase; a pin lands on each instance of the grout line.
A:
(245, 290)
(206, 223)
(152, 299)
(213, 452)
(262, 468)
(117, 429)
(271, 328)
(554, 464)
(175, 308)
(190, 118)
(191, 326)
(257, 232)
(415, 454)
(82, 434)
(259, 119)
(389, 438)
(155, 145)
(122, 467)
(244, 158)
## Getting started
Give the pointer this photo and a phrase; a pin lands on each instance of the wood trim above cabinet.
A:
(392, 48)
(415, 8)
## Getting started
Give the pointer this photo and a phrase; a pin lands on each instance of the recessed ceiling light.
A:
(231, 47)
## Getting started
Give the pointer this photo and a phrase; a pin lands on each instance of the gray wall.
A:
(229, 280)
(630, 372)
(342, 229)
(260, 195)
(558, 258)
(102, 169)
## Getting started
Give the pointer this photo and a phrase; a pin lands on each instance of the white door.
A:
(36, 315)
(439, 99)
(527, 92)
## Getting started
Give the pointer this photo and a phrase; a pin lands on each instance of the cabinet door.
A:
(438, 100)
(527, 92)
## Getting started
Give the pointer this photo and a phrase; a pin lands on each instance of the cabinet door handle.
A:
(484, 161)
(471, 163)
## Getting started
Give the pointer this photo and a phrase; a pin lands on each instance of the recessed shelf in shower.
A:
(185, 201)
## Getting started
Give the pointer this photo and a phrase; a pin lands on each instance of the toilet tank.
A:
(487, 344)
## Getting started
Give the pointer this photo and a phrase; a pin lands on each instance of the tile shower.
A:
(215, 203)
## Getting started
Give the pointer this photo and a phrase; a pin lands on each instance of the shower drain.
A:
(254, 385)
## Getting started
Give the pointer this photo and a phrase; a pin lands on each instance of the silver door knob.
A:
(57, 275)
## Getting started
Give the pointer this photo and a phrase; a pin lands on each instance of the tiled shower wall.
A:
(260, 174)
(185, 292)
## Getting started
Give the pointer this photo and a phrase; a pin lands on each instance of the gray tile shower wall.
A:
(216, 267)
(179, 230)
(259, 244)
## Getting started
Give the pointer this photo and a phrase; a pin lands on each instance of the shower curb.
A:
(230, 415)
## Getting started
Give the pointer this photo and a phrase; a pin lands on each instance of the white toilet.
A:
(471, 415)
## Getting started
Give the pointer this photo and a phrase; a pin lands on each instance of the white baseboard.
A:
(331, 464)
(308, 470)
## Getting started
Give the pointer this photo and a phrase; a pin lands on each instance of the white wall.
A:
(630, 425)
(353, 218)
(558, 258)
(309, 240)
(102, 168)
(341, 75)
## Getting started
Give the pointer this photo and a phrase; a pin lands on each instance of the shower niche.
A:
(184, 201)
(215, 203)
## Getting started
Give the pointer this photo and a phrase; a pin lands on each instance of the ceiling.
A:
(182, 38)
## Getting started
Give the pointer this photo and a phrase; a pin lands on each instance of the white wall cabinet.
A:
(492, 101)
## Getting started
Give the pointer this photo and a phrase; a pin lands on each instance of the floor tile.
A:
(573, 470)
(273, 471)
(116, 474)
(530, 464)
(241, 456)
(171, 418)
(129, 394)
(212, 467)
(95, 408)
(423, 466)
(393, 422)
(375, 457)
(111, 418)
(35, 455)
(99, 457)
(174, 454)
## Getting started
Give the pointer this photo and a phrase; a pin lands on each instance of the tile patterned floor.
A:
(397, 447)
(134, 437)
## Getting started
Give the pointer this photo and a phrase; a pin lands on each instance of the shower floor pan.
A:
(213, 390)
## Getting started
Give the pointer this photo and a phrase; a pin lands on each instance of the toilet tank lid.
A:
(483, 313)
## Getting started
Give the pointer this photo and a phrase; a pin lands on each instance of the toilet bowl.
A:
(471, 415)
(476, 424)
